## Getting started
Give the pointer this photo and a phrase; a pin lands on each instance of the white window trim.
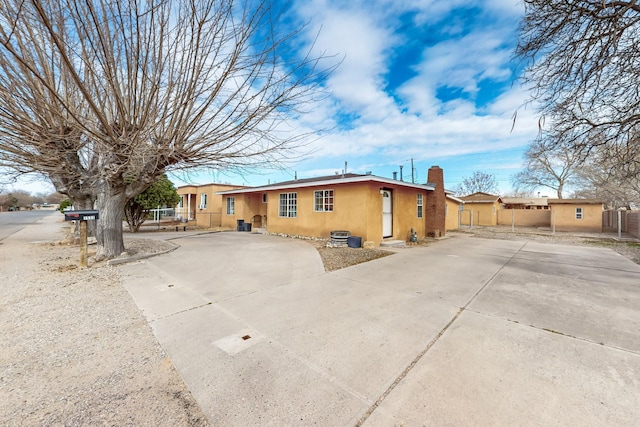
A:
(323, 207)
(579, 213)
(419, 205)
(288, 212)
(231, 203)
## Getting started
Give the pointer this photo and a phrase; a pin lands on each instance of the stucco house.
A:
(371, 207)
(454, 206)
(201, 203)
(480, 209)
(576, 214)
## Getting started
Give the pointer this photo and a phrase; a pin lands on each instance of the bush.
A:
(64, 204)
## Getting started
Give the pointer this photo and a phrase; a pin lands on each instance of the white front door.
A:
(387, 214)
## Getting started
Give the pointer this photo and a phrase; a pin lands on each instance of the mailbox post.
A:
(83, 217)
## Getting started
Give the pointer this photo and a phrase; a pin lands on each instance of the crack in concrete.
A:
(420, 355)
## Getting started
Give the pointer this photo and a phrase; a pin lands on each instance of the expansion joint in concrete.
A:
(435, 339)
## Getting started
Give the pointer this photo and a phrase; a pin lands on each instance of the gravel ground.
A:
(341, 257)
(629, 248)
(75, 348)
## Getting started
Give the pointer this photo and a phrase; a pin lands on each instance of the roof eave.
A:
(324, 183)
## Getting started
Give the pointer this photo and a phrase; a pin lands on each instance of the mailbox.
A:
(80, 215)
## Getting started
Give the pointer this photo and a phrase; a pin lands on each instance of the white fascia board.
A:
(454, 198)
(329, 182)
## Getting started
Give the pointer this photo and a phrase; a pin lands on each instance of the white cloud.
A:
(388, 128)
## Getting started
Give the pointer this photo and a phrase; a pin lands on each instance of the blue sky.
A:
(428, 80)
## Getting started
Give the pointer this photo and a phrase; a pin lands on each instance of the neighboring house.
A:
(538, 203)
(576, 214)
(454, 207)
(480, 209)
(202, 204)
(371, 207)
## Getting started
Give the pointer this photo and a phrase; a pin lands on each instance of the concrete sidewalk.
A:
(465, 331)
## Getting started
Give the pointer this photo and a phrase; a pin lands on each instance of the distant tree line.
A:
(21, 199)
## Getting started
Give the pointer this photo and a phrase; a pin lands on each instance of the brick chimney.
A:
(435, 215)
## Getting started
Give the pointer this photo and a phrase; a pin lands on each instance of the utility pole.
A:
(412, 175)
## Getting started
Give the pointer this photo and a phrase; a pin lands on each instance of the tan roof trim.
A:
(575, 202)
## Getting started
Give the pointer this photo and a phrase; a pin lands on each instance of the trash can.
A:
(240, 225)
(354, 241)
(246, 226)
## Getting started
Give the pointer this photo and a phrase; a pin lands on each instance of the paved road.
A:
(12, 222)
(467, 331)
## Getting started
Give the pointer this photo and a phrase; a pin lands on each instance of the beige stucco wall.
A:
(452, 218)
(483, 213)
(563, 216)
(211, 216)
(357, 208)
(349, 213)
(248, 207)
(525, 217)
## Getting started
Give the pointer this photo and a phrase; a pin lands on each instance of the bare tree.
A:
(583, 64)
(54, 198)
(602, 177)
(478, 182)
(103, 97)
(548, 164)
(17, 199)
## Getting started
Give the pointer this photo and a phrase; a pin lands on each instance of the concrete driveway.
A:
(466, 331)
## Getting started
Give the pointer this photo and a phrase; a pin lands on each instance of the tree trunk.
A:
(560, 186)
(135, 215)
(111, 203)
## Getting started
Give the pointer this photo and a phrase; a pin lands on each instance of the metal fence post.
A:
(619, 225)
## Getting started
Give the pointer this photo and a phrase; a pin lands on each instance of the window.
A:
(419, 205)
(578, 213)
(181, 202)
(288, 205)
(231, 205)
(323, 201)
(203, 201)
(264, 197)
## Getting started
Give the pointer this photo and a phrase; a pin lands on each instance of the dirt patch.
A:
(75, 348)
(146, 247)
